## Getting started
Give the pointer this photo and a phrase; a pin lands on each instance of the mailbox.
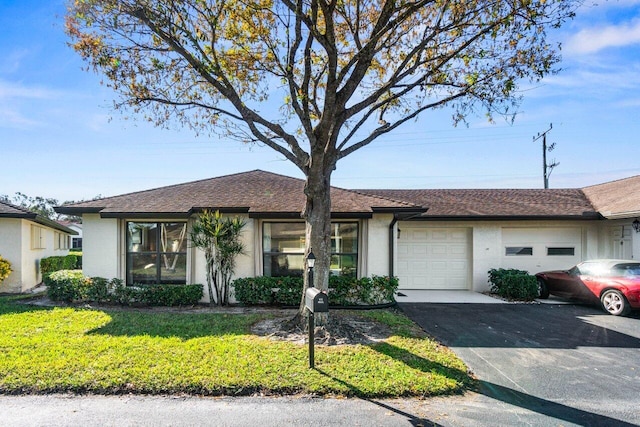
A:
(316, 301)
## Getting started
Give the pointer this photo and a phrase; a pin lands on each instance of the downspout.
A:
(392, 225)
(391, 252)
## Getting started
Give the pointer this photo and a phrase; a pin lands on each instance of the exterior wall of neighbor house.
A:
(11, 250)
(15, 246)
(100, 252)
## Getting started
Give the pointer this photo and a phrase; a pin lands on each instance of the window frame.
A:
(37, 237)
(264, 254)
(560, 249)
(518, 251)
(158, 253)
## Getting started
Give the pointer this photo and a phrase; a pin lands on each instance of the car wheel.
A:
(543, 290)
(614, 302)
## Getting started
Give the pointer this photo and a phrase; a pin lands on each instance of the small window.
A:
(37, 237)
(561, 251)
(60, 241)
(519, 251)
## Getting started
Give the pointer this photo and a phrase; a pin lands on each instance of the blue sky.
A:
(59, 137)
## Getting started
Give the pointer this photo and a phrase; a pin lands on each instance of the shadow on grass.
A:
(413, 419)
(11, 304)
(170, 325)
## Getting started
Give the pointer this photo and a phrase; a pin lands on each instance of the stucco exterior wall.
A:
(100, 250)
(488, 246)
(15, 246)
(245, 263)
(11, 250)
(376, 247)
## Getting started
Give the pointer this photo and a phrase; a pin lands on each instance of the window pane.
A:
(283, 265)
(142, 237)
(561, 251)
(344, 265)
(519, 250)
(285, 237)
(142, 268)
(344, 237)
(173, 237)
(173, 269)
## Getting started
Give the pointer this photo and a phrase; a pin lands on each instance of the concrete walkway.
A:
(462, 297)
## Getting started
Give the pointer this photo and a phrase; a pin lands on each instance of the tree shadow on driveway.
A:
(524, 325)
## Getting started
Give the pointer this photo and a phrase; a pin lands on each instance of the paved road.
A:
(555, 364)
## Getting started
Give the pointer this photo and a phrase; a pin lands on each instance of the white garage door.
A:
(433, 258)
(540, 249)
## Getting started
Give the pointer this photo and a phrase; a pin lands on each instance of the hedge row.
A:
(73, 286)
(343, 290)
(56, 263)
(513, 284)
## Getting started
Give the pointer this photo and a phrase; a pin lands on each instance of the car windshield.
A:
(592, 269)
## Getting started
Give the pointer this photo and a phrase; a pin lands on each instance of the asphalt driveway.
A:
(541, 364)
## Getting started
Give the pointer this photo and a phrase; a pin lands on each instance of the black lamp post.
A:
(636, 225)
(311, 262)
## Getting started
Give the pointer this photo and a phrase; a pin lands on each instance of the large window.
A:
(283, 248)
(156, 253)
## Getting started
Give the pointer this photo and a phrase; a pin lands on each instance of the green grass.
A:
(111, 351)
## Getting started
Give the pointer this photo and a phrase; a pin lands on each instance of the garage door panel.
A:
(434, 258)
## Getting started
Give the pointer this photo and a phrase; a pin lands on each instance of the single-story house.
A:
(76, 240)
(25, 238)
(429, 239)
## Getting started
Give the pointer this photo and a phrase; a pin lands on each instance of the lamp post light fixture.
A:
(311, 262)
(636, 225)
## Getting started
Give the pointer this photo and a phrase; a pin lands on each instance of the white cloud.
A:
(12, 119)
(10, 90)
(591, 40)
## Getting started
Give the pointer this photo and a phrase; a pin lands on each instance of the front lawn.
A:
(113, 351)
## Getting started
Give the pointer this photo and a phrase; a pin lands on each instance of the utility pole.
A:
(546, 169)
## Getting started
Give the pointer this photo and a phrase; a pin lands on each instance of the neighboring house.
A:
(76, 241)
(430, 239)
(26, 238)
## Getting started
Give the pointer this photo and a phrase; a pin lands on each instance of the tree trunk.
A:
(318, 231)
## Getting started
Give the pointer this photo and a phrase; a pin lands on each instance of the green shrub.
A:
(170, 295)
(256, 290)
(513, 284)
(67, 285)
(100, 290)
(56, 263)
(5, 269)
(343, 290)
(73, 286)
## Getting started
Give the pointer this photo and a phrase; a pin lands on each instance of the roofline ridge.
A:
(389, 199)
(611, 182)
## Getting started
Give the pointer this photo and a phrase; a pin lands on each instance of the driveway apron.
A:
(561, 364)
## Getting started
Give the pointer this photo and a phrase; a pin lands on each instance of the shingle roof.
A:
(619, 198)
(8, 210)
(521, 203)
(254, 192)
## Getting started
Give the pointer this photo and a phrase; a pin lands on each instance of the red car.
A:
(612, 283)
